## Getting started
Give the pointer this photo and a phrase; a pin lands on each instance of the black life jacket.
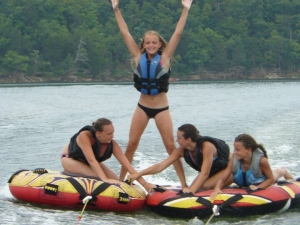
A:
(218, 164)
(75, 151)
(150, 77)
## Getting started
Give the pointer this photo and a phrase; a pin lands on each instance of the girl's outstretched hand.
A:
(132, 177)
(115, 4)
(149, 187)
(186, 190)
(186, 3)
(253, 187)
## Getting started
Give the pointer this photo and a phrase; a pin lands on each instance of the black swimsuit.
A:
(151, 113)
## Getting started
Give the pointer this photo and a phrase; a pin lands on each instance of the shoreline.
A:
(33, 84)
(204, 77)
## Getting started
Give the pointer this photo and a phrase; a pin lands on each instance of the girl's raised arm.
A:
(171, 47)
(130, 43)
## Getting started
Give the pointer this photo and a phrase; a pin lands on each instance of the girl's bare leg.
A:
(164, 124)
(282, 172)
(211, 182)
(138, 124)
(76, 167)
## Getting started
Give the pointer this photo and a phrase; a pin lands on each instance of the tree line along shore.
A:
(79, 41)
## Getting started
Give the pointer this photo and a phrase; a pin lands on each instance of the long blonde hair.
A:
(161, 40)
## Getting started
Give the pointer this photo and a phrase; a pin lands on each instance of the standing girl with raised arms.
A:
(152, 62)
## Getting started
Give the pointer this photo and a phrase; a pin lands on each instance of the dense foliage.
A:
(81, 37)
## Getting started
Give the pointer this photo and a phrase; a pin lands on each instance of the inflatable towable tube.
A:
(42, 186)
(169, 201)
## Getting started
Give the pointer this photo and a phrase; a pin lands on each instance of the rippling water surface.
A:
(37, 121)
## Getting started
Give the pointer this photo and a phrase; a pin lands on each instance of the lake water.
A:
(37, 121)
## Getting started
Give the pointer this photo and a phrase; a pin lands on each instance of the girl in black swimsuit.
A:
(154, 106)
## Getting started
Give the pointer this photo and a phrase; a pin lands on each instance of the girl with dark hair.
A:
(205, 154)
(249, 167)
(92, 145)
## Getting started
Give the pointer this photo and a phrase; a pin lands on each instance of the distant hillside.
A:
(80, 40)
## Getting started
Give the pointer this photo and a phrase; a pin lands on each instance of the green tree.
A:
(277, 46)
(15, 63)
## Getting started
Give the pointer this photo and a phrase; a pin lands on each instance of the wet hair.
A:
(189, 131)
(100, 123)
(249, 142)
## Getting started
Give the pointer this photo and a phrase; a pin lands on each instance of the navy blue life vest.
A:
(150, 77)
(218, 164)
(75, 151)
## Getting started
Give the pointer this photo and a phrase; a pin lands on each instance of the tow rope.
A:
(216, 209)
(85, 202)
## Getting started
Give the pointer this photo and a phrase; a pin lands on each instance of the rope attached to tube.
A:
(85, 202)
